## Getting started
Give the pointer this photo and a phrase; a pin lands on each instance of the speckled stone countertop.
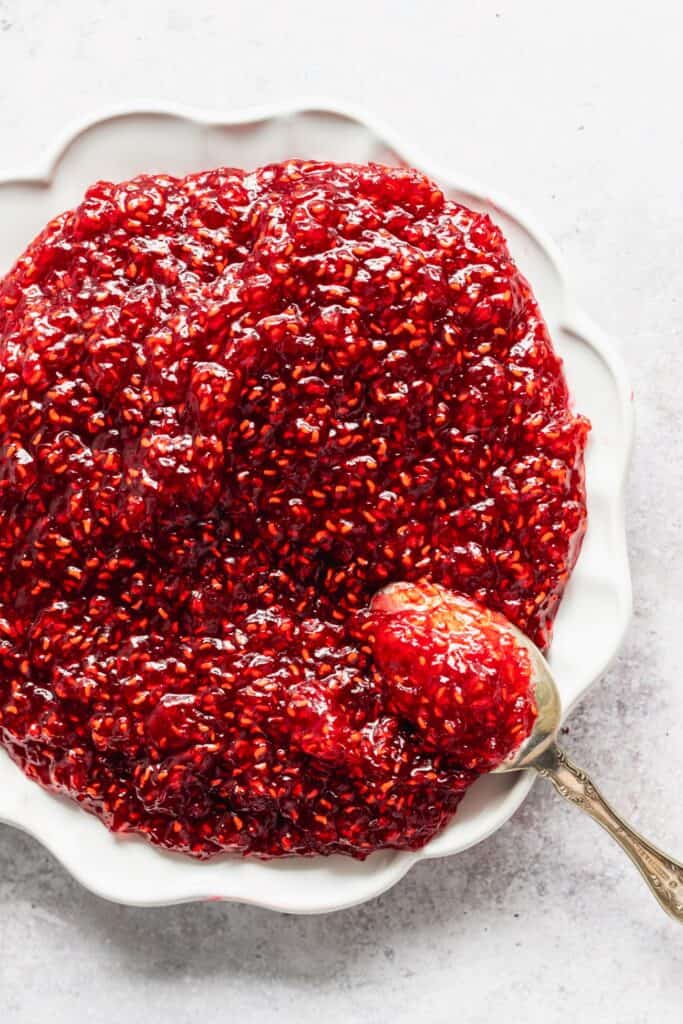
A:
(575, 114)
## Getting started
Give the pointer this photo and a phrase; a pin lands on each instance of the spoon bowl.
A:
(548, 705)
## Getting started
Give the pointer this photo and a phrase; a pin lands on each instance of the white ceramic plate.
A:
(597, 604)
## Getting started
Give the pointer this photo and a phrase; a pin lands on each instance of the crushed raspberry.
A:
(232, 408)
(453, 670)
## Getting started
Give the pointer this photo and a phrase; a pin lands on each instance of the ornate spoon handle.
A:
(663, 874)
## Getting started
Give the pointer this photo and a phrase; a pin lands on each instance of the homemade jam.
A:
(234, 407)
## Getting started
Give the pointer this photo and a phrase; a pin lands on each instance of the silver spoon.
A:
(541, 751)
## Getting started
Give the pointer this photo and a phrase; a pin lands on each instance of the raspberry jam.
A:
(233, 407)
(453, 670)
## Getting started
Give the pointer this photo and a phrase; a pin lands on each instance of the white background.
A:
(573, 109)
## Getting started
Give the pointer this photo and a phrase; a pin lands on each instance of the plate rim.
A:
(571, 319)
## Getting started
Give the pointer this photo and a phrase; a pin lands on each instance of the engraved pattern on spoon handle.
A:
(663, 875)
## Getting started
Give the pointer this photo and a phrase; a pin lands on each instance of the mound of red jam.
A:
(233, 407)
(452, 669)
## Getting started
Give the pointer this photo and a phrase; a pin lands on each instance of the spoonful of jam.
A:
(474, 685)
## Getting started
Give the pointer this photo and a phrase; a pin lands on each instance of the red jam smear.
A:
(232, 408)
(454, 670)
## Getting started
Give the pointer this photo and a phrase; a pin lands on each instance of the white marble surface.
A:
(574, 110)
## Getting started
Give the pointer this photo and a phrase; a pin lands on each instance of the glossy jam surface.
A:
(453, 670)
(232, 408)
